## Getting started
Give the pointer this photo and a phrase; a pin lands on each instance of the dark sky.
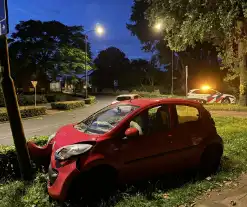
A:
(113, 14)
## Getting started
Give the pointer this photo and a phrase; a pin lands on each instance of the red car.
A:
(131, 140)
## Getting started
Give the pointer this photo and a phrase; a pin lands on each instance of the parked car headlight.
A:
(51, 137)
(66, 152)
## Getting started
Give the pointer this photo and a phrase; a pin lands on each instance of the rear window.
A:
(123, 98)
(187, 114)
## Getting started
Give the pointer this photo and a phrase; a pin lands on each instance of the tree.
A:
(35, 47)
(112, 64)
(69, 60)
(146, 73)
(221, 22)
(202, 59)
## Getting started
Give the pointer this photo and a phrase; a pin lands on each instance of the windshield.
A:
(106, 119)
(123, 98)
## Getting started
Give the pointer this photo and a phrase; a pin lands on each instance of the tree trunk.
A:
(242, 54)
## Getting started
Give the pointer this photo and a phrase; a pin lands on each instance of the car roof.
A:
(143, 102)
(123, 95)
(201, 89)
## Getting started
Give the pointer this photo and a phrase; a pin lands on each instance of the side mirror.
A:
(131, 132)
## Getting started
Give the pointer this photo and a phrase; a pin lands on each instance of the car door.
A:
(145, 155)
(187, 133)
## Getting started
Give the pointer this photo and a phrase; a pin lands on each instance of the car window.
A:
(158, 118)
(212, 92)
(123, 98)
(105, 120)
(187, 113)
(135, 97)
(197, 92)
(153, 120)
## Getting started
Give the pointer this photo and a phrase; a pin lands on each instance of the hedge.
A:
(90, 100)
(27, 100)
(28, 111)
(67, 105)
(9, 167)
(58, 97)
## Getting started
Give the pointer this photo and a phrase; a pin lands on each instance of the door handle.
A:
(170, 136)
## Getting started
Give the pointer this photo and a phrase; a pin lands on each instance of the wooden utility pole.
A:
(11, 99)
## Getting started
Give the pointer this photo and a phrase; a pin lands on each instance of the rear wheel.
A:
(226, 101)
(210, 160)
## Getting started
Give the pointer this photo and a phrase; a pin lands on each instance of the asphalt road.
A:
(49, 124)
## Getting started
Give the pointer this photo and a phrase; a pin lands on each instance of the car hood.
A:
(68, 135)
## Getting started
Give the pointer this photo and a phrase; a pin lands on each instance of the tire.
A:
(100, 181)
(95, 184)
(226, 101)
(211, 159)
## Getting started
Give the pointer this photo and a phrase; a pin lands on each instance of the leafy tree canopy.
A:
(40, 48)
(221, 22)
(201, 59)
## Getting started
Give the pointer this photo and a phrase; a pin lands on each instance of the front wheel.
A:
(210, 160)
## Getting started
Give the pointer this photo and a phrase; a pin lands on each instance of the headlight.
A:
(66, 152)
(51, 137)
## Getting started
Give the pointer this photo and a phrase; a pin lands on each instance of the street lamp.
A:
(99, 30)
(158, 27)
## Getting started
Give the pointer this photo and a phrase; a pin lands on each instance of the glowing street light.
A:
(205, 87)
(158, 27)
(99, 30)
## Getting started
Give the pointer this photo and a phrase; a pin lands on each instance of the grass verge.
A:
(182, 190)
(225, 107)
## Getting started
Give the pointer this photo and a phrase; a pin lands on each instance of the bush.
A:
(9, 167)
(26, 100)
(67, 105)
(90, 100)
(2, 103)
(26, 112)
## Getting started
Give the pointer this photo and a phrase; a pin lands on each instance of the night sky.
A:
(113, 14)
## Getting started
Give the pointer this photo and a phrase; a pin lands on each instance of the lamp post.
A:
(99, 30)
(158, 27)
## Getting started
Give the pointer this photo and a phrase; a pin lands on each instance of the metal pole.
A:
(35, 96)
(86, 92)
(172, 75)
(186, 81)
(14, 113)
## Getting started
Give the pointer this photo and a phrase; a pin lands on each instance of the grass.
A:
(155, 193)
(224, 107)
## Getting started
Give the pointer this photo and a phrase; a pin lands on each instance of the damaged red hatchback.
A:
(131, 140)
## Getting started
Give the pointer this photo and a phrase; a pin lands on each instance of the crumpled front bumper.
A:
(61, 176)
(41, 155)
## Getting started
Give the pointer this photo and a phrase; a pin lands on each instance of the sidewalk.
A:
(235, 194)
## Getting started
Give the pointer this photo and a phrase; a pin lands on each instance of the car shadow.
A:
(146, 188)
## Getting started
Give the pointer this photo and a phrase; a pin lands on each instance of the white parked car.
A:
(125, 97)
(211, 96)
